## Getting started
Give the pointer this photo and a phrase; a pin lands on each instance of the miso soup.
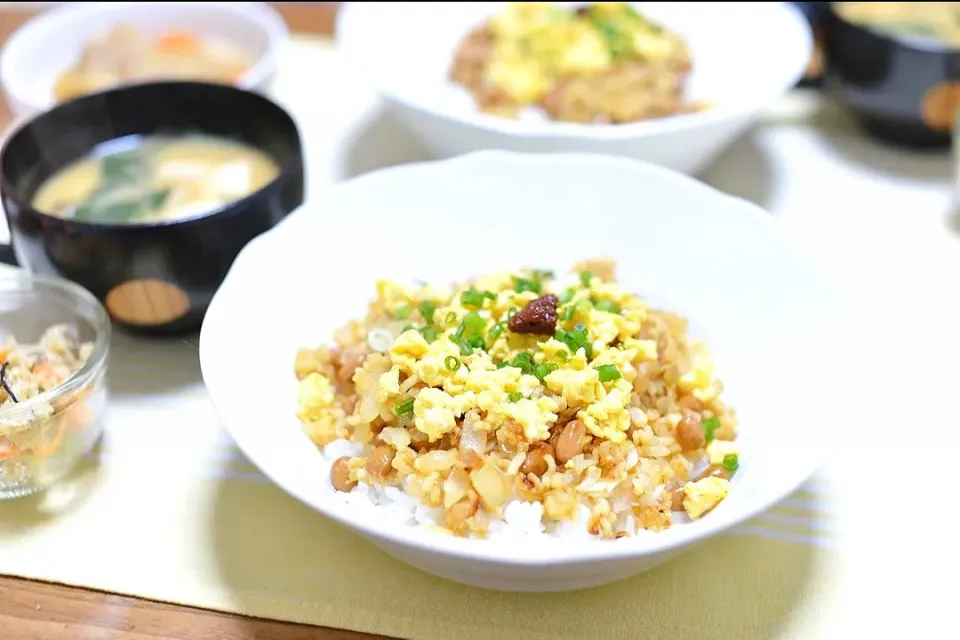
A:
(933, 20)
(155, 178)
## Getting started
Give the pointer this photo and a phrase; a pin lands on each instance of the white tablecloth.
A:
(879, 220)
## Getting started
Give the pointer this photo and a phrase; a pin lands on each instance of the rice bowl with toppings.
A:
(688, 249)
(520, 403)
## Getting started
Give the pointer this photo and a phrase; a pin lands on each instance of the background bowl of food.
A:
(529, 429)
(896, 66)
(145, 194)
(85, 47)
(55, 341)
(670, 83)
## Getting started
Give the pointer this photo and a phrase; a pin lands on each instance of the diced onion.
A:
(490, 485)
(455, 487)
(380, 340)
(472, 439)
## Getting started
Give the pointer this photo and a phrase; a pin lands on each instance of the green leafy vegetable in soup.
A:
(155, 178)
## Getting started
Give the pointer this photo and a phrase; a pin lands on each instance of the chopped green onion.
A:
(409, 327)
(524, 361)
(585, 278)
(451, 317)
(471, 326)
(606, 305)
(544, 369)
(562, 356)
(608, 372)
(731, 462)
(709, 426)
(568, 313)
(515, 396)
(501, 365)
(404, 408)
(523, 284)
(566, 296)
(575, 339)
(402, 312)
(473, 322)
(451, 363)
(541, 274)
(495, 331)
(468, 344)
(429, 333)
(473, 298)
(427, 309)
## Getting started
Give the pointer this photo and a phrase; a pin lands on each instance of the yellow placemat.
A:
(167, 509)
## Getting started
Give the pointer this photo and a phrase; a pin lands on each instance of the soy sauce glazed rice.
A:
(517, 403)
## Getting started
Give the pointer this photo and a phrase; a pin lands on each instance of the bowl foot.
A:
(521, 578)
(904, 133)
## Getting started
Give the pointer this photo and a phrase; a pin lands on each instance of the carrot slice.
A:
(8, 449)
(179, 42)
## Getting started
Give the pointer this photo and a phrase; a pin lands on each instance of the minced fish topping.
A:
(569, 395)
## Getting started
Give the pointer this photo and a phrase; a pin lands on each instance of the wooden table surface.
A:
(32, 610)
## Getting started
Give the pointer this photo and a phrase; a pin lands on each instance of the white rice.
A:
(518, 519)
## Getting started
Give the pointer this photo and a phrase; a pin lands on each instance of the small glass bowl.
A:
(37, 447)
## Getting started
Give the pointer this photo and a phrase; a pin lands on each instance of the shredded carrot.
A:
(8, 450)
(51, 447)
(79, 417)
(179, 42)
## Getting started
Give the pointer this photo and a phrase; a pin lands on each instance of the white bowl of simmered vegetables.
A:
(54, 341)
(672, 83)
(86, 47)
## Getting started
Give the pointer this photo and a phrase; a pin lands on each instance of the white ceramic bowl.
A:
(763, 307)
(745, 56)
(51, 41)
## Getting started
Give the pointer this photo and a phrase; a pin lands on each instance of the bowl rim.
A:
(42, 285)
(259, 14)
(576, 131)
(289, 167)
(918, 43)
(469, 549)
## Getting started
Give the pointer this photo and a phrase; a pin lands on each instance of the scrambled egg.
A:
(314, 397)
(718, 450)
(504, 375)
(703, 495)
(476, 363)
(315, 406)
(466, 358)
(536, 42)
